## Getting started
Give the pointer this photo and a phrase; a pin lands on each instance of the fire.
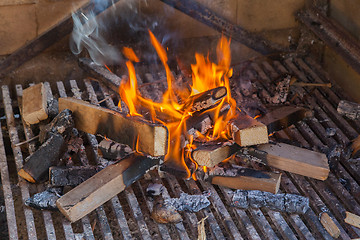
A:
(206, 75)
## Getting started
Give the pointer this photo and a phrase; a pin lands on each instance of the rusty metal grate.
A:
(127, 216)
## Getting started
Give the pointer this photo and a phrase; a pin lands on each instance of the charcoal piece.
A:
(154, 189)
(45, 200)
(113, 150)
(296, 204)
(282, 90)
(191, 203)
(276, 202)
(53, 108)
(165, 213)
(330, 132)
(257, 199)
(240, 199)
(61, 124)
(71, 176)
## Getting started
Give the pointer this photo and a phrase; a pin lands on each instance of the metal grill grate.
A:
(127, 216)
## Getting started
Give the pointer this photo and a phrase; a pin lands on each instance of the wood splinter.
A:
(329, 225)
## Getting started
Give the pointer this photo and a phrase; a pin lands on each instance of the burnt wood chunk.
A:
(45, 200)
(290, 203)
(205, 100)
(349, 109)
(293, 159)
(352, 219)
(62, 124)
(247, 131)
(71, 176)
(246, 179)
(34, 104)
(329, 225)
(283, 117)
(210, 155)
(37, 165)
(104, 185)
(149, 138)
(113, 150)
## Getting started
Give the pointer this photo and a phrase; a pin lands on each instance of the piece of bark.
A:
(290, 203)
(45, 200)
(71, 176)
(204, 100)
(237, 177)
(283, 117)
(34, 104)
(212, 154)
(62, 124)
(349, 109)
(113, 150)
(329, 225)
(246, 131)
(352, 219)
(293, 159)
(37, 165)
(104, 185)
(146, 137)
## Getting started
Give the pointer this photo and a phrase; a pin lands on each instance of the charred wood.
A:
(71, 176)
(349, 109)
(45, 200)
(113, 150)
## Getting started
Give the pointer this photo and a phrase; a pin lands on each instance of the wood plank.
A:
(211, 155)
(149, 138)
(352, 219)
(329, 225)
(247, 131)
(103, 186)
(34, 103)
(293, 159)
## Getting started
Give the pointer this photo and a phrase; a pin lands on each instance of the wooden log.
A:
(205, 100)
(146, 137)
(246, 131)
(283, 117)
(71, 176)
(37, 165)
(104, 185)
(290, 203)
(34, 104)
(349, 109)
(212, 154)
(352, 219)
(246, 179)
(329, 225)
(292, 159)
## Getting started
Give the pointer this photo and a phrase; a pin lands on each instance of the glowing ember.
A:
(206, 75)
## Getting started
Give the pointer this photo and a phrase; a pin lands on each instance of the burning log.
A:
(349, 109)
(283, 117)
(149, 138)
(45, 200)
(104, 185)
(329, 225)
(37, 165)
(290, 203)
(210, 155)
(352, 219)
(237, 177)
(205, 100)
(34, 103)
(71, 176)
(113, 150)
(246, 131)
(292, 159)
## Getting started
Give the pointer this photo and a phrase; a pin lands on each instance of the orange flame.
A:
(206, 75)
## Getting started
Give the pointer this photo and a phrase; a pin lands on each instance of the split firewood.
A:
(113, 150)
(329, 225)
(352, 219)
(210, 155)
(290, 203)
(34, 104)
(247, 131)
(45, 200)
(292, 159)
(37, 165)
(205, 100)
(237, 177)
(146, 137)
(71, 176)
(349, 109)
(283, 117)
(104, 185)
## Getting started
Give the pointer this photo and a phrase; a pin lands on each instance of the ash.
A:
(44, 200)
(191, 203)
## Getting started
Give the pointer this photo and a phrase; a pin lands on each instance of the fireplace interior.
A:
(293, 64)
